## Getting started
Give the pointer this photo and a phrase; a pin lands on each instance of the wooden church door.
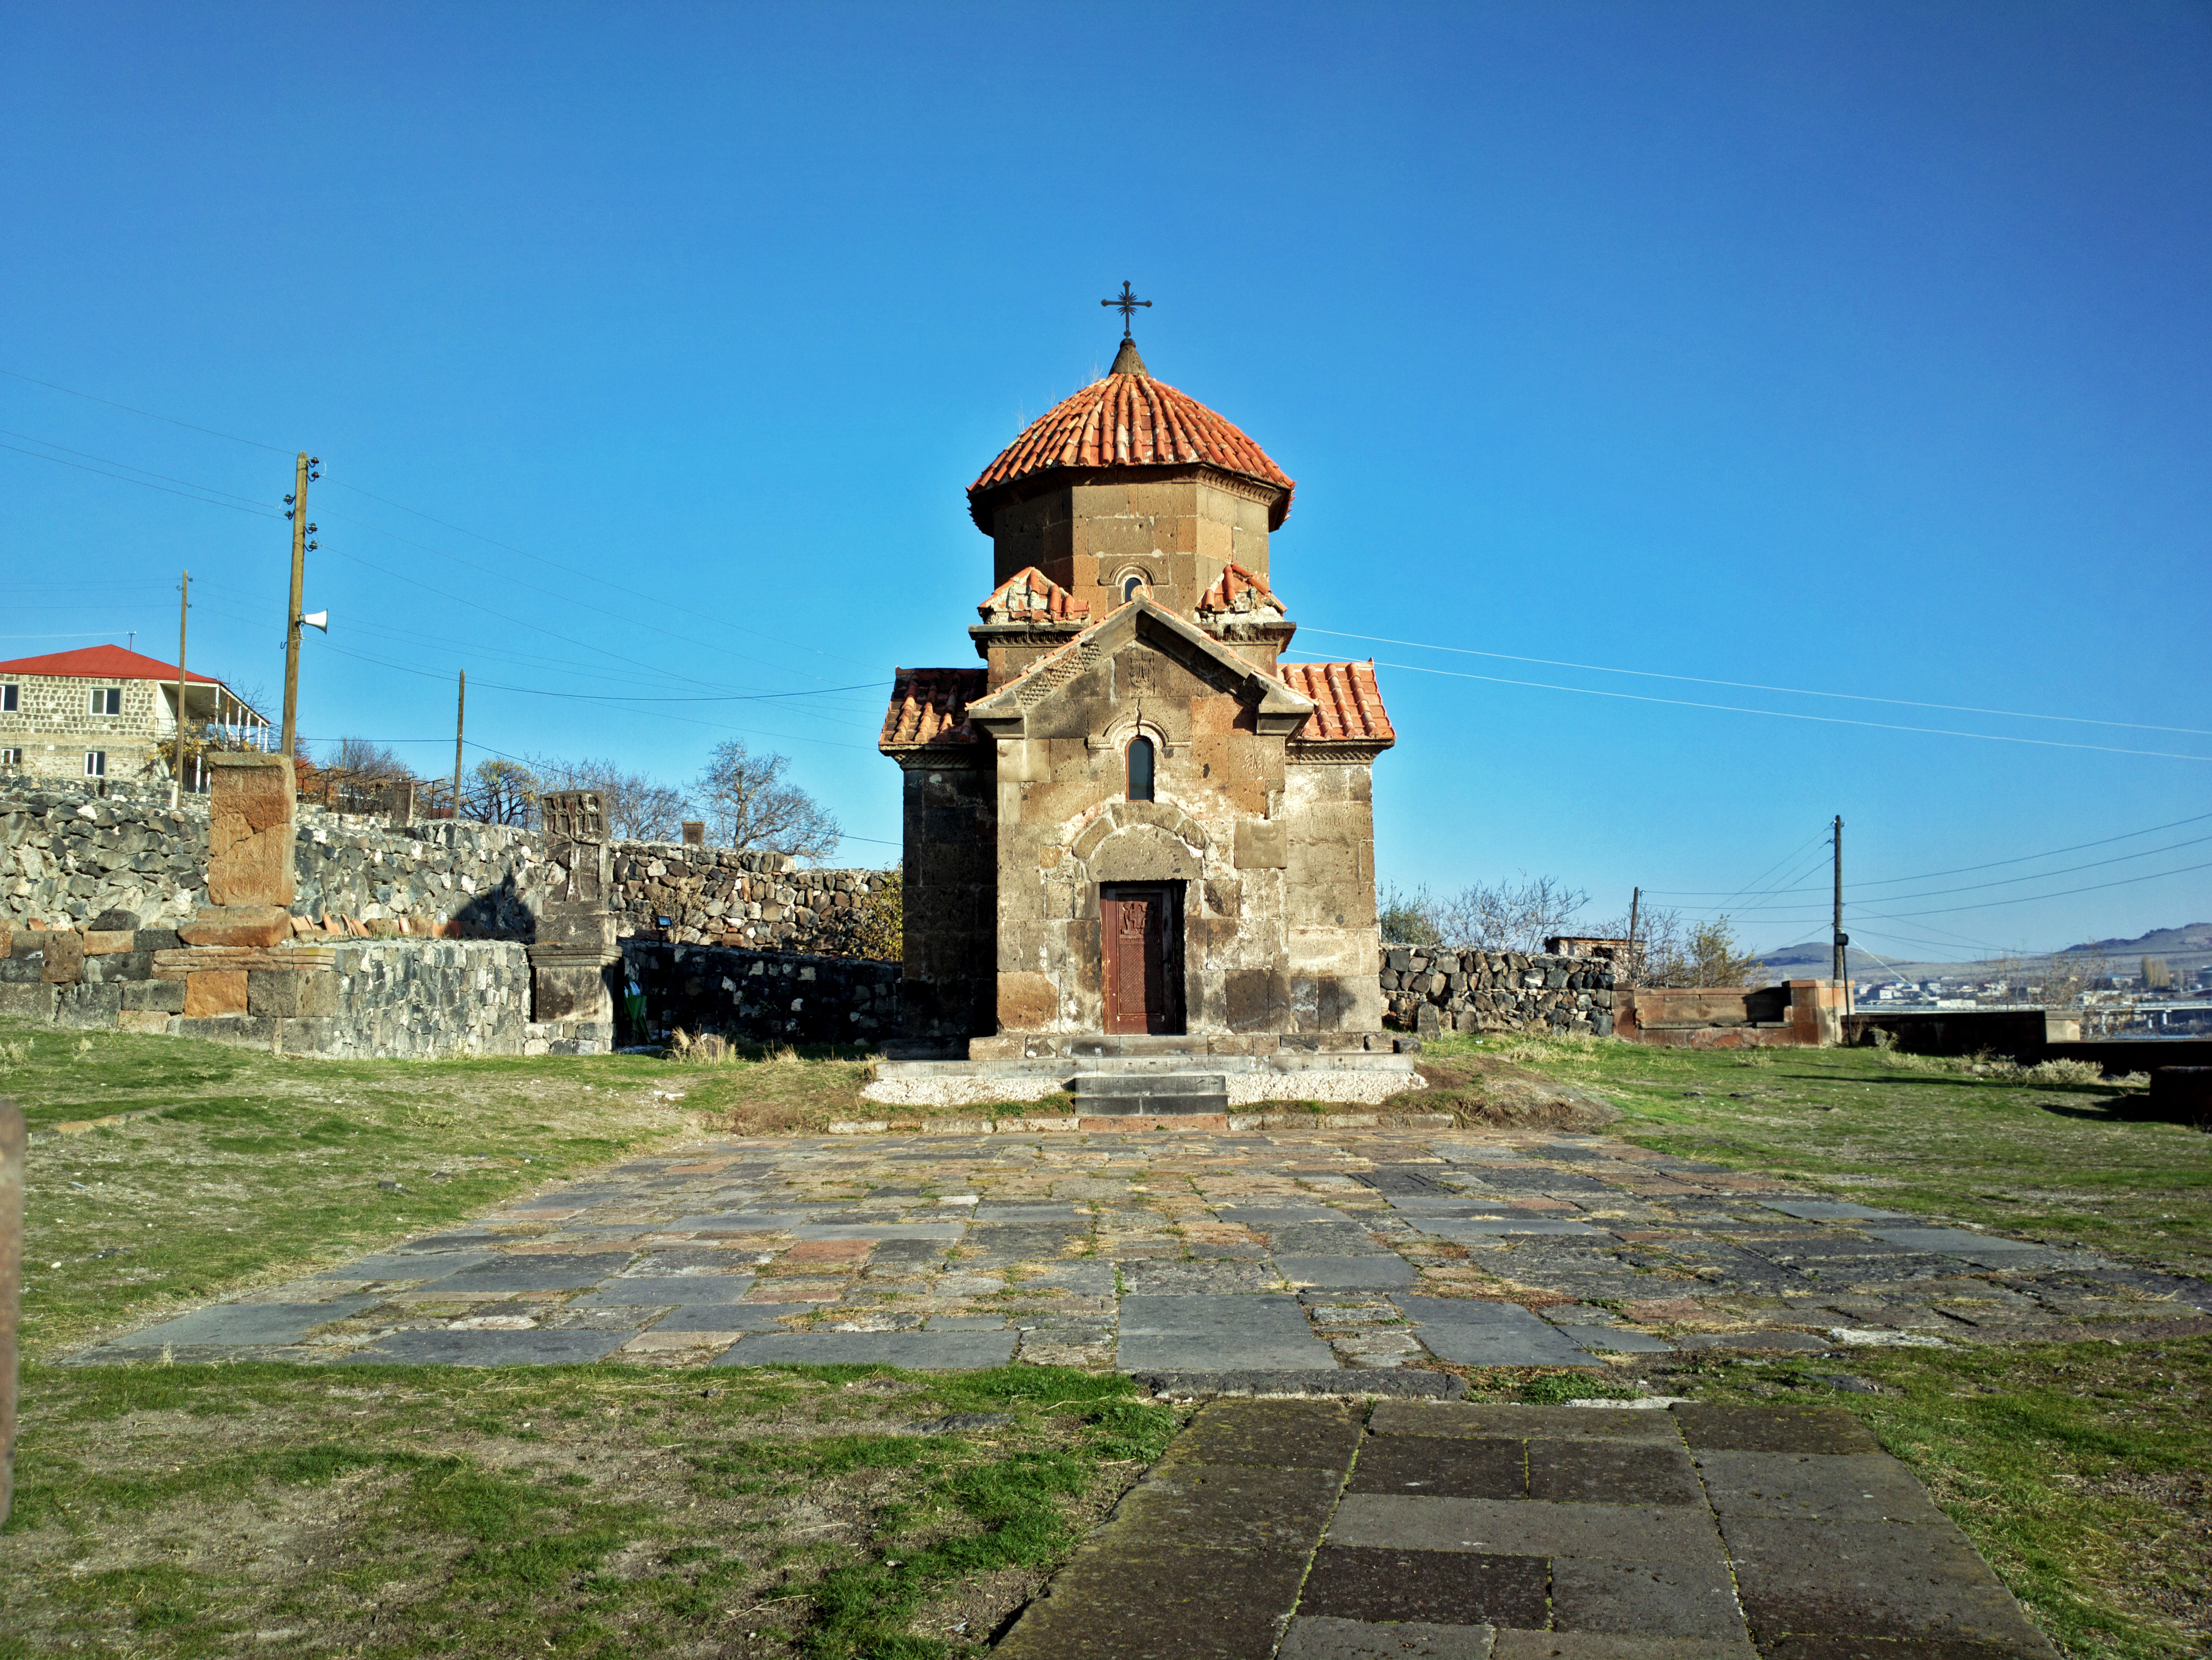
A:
(1142, 932)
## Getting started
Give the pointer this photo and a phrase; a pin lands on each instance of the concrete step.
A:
(1088, 1084)
(1150, 1095)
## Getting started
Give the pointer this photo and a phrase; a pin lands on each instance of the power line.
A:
(1787, 715)
(1962, 870)
(717, 725)
(32, 438)
(1752, 685)
(141, 483)
(51, 387)
(2006, 881)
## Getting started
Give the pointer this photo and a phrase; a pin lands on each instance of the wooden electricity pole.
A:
(1843, 940)
(296, 510)
(177, 752)
(460, 720)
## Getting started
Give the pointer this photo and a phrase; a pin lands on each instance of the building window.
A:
(1140, 769)
(1131, 587)
(11, 757)
(9, 695)
(107, 700)
(95, 763)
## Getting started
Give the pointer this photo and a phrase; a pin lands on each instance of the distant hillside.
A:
(2193, 937)
(2185, 950)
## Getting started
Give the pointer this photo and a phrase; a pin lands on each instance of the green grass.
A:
(2061, 1162)
(261, 1167)
(593, 1510)
(2078, 1469)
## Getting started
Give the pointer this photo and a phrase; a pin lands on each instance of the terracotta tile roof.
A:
(1347, 703)
(930, 706)
(1236, 591)
(103, 663)
(1129, 419)
(1028, 595)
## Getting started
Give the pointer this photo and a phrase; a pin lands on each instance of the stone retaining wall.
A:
(1428, 988)
(764, 996)
(69, 856)
(719, 897)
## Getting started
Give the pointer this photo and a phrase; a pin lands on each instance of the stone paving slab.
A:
(1498, 1247)
(1293, 1517)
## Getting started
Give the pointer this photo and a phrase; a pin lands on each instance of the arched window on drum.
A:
(1140, 769)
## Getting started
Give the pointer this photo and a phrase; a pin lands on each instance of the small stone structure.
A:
(1798, 1014)
(1428, 989)
(1135, 829)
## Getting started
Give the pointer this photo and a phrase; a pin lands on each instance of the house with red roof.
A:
(1135, 828)
(105, 713)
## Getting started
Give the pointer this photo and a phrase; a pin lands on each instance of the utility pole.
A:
(295, 509)
(460, 720)
(177, 752)
(1635, 900)
(1843, 940)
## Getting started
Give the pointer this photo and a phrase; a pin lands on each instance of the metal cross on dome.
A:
(1128, 303)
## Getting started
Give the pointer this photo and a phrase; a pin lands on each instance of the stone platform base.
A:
(1351, 1075)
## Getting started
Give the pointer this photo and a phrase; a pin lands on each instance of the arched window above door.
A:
(1131, 587)
(1140, 769)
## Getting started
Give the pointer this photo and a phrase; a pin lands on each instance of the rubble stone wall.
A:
(69, 858)
(764, 996)
(757, 901)
(1427, 987)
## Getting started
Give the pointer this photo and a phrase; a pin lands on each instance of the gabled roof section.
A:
(1237, 593)
(929, 708)
(103, 663)
(1280, 707)
(1029, 596)
(1130, 420)
(1347, 703)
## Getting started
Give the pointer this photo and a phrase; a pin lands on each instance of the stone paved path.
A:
(1166, 1252)
(1461, 1532)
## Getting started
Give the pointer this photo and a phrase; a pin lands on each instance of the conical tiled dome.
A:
(1129, 420)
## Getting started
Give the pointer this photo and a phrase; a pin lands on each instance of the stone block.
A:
(146, 996)
(251, 806)
(1260, 845)
(1027, 1002)
(87, 1006)
(238, 925)
(64, 958)
(32, 998)
(214, 991)
(1431, 1587)
(144, 1021)
(291, 993)
(571, 992)
(245, 1031)
(107, 942)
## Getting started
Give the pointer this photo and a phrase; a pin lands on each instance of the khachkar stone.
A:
(251, 800)
(575, 958)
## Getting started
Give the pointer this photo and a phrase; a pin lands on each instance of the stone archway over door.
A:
(1141, 929)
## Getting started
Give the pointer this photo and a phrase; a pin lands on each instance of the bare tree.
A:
(637, 809)
(503, 793)
(1514, 916)
(749, 804)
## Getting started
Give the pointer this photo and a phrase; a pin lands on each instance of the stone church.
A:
(1136, 822)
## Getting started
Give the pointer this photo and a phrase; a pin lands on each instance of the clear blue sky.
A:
(1855, 348)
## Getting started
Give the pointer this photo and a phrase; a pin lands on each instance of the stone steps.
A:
(1150, 1094)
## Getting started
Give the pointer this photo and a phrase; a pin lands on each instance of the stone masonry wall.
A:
(1429, 988)
(68, 857)
(54, 726)
(717, 896)
(765, 996)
